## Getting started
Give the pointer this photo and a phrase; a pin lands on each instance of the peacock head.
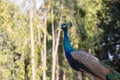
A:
(64, 26)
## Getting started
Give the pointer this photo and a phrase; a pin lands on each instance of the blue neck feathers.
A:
(67, 46)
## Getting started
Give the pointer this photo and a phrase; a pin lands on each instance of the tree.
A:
(109, 20)
(32, 40)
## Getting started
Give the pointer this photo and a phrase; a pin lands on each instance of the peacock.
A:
(85, 62)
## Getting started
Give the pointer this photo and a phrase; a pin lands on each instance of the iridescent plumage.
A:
(85, 62)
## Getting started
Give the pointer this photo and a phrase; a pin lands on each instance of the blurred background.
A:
(31, 41)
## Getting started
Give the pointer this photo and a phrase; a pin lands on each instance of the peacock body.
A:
(82, 61)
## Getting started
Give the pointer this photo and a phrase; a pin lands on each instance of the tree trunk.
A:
(45, 49)
(80, 75)
(53, 47)
(32, 41)
(64, 75)
(57, 68)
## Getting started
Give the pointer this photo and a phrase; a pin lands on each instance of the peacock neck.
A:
(67, 46)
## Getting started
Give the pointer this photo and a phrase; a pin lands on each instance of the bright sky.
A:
(38, 3)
